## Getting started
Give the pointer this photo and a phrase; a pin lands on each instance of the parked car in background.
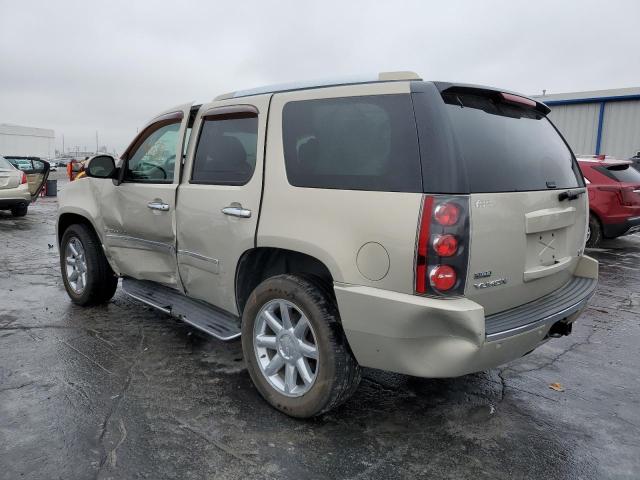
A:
(334, 226)
(636, 161)
(20, 187)
(614, 197)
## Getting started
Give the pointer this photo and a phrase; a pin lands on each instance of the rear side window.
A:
(226, 150)
(621, 173)
(507, 148)
(352, 143)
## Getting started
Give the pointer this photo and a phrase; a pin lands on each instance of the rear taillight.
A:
(630, 196)
(626, 195)
(442, 245)
(445, 245)
(423, 245)
(23, 180)
(442, 277)
(446, 213)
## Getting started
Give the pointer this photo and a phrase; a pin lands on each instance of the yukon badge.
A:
(492, 283)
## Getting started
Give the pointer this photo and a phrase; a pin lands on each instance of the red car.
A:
(614, 197)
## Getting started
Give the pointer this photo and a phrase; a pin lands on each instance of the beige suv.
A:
(432, 229)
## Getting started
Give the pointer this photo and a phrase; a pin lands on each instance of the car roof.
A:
(305, 85)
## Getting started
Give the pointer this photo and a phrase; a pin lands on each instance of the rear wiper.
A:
(570, 195)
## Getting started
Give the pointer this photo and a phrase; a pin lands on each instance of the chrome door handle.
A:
(155, 205)
(236, 211)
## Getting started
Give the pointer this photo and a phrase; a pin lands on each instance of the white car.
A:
(18, 188)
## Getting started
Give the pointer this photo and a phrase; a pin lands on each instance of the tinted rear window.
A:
(621, 173)
(506, 148)
(352, 143)
(226, 151)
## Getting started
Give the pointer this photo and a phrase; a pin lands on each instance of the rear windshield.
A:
(506, 148)
(621, 173)
(4, 164)
(352, 143)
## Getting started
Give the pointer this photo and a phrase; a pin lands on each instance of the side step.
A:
(200, 315)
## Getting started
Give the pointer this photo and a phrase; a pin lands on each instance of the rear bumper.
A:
(429, 337)
(8, 203)
(630, 225)
(14, 197)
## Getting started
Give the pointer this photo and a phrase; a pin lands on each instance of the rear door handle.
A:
(158, 205)
(236, 210)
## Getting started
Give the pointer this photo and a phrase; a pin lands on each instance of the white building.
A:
(27, 141)
(598, 122)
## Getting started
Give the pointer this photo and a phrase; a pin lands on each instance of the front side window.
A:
(226, 150)
(352, 143)
(154, 160)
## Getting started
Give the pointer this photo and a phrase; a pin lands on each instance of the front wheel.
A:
(295, 349)
(87, 276)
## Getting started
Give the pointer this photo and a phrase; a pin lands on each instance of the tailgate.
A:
(524, 245)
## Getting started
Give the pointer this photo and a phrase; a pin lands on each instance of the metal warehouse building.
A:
(27, 141)
(598, 122)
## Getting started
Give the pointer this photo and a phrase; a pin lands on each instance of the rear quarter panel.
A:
(363, 237)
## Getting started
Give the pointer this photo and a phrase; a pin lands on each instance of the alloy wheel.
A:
(286, 348)
(76, 265)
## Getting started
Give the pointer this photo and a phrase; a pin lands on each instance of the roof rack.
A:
(288, 87)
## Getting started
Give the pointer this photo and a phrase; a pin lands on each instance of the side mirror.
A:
(101, 166)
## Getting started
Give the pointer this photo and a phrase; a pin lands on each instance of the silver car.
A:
(20, 187)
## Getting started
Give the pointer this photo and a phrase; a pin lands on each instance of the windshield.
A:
(4, 164)
(506, 148)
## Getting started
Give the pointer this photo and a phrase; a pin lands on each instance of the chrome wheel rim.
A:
(76, 265)
(286, 348)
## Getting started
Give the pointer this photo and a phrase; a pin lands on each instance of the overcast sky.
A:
(78, 67)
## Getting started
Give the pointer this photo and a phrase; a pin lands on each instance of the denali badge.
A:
(482, 274)
(492, 283)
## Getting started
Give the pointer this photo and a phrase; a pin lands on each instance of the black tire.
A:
(20, 210)
(338, 372)
(595, 232)
(101, 281)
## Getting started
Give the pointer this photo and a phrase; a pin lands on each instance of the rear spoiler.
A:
(500, 95)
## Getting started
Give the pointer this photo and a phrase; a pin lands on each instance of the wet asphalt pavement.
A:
(125, 392)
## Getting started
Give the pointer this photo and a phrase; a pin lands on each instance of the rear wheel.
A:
(20, 210)
(295, 349)
(87, 276)
(594, 232)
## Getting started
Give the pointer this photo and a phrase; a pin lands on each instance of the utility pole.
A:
(96, 141)
(63, 144)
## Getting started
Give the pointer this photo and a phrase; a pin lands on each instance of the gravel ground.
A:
(122, 391)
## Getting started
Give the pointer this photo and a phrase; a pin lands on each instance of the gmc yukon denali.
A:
(427, 228)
